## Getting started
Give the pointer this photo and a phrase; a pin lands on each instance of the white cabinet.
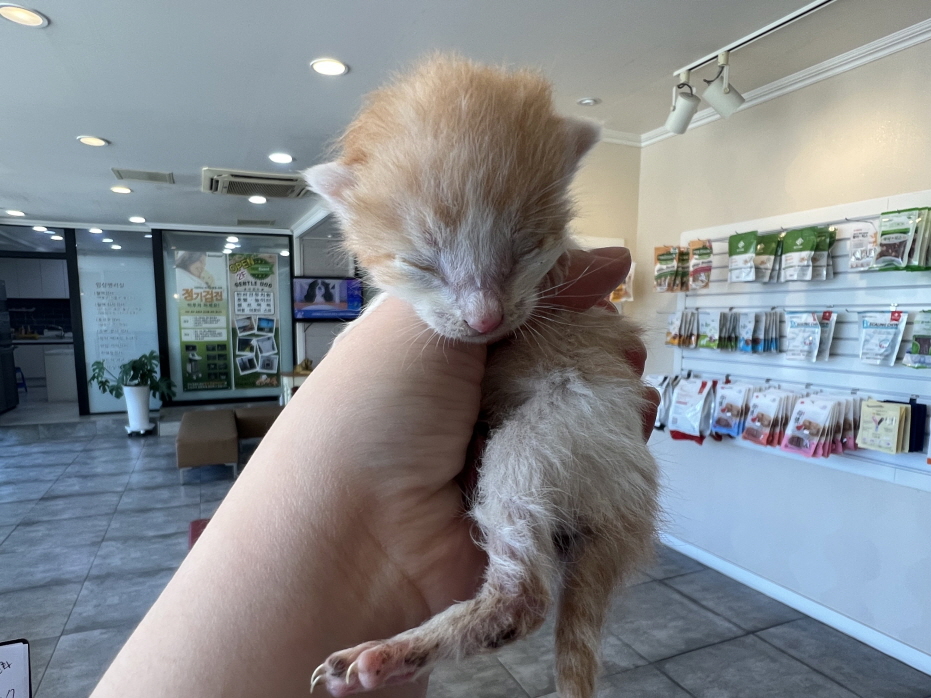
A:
(31, 359)
(34, 278)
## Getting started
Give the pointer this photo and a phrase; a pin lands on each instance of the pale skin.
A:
(346, 526)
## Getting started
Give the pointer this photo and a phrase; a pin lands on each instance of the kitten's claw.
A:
(318, 676)
(349, 671)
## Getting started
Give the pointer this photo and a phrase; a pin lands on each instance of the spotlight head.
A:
(684, 105)
(720, 94)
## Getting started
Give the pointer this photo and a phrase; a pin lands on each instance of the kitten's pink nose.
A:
(483, 324)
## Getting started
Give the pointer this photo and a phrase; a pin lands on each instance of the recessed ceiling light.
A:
(281, 158)
(136, 219)
(116, 247)
(95, 231)
(229, 245)
(121, 190)
(329, 66)
(94, 141)
(257, 199)
(285, 253)
(20, 15)
(56, 237)
(17, 214)
(588, 101)
(39, 228)
(232, 238)
(107, 240)
(148, 235)
(227, 251)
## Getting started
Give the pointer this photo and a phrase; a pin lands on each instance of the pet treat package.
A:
(884, 426)
(798, 249)
(690, 410)
(822, 267)
(827, 321)
(918, 257)
(665, 269)
(863, 245)
(689, 337)
(664, 386)
(767, 248)
(741, 252)
(674, 329)
(769, 414)
(731, 405)
(709, 329)
(808, 428)
(803, 336)
(700, 263)
(918, 354)
(682, 270)
(880, 336)
(896, 231)
(759, 332)
(745, 325)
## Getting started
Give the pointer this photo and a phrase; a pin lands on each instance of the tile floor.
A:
(92, 526)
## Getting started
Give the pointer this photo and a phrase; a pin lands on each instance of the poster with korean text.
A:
(203, 311)
(253, 283)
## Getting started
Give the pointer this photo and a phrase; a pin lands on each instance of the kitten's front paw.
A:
(369, 666)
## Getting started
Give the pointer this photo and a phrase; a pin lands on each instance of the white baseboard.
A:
(865, 634)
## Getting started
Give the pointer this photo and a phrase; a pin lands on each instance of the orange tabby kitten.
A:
(452, 192)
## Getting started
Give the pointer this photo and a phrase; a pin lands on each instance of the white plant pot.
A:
(137, 407)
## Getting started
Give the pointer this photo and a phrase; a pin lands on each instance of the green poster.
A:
(253, 284)
(203, 311)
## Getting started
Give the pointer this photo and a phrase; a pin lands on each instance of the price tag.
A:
(15, 675)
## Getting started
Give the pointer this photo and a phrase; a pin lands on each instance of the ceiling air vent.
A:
(273, 186)
(145, 176)
(257, 223)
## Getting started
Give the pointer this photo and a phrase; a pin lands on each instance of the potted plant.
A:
(137, 379)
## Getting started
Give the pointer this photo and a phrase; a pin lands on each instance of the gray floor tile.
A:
(66, 447)
(35, 568)
(670, 563)
(52, 508)
(157, 462)
(748, 668)
(32, 473)
(101, 463)
(87, 530)
(12, 513)
(80, 659)
(61, 431)
(155, 478)
(152, 522)
(659, 622)
(740, 604)
(40, 652)
(644, 682)
(215, 491)
(116, 600)
(38, 611)
(161, 448)
(88, 484)
(114, 443)
(849, 662)
(479, 677)
(23, 491)
(36, 459)
(4, 532)
(156, 497)
(25, 434)
(128, 555)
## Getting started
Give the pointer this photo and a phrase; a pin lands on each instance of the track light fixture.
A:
(684, 105)
(720, 94)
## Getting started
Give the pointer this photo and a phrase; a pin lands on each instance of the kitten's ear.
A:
(583, 135)
(332, 181)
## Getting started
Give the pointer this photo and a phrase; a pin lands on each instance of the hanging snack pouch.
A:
(689, 339)
(827, 321)
(880, 336)
(709, 330)
(700, 263)
(674, 329)
(730, 409)
(918, 257)
(863, 246)
(798, 248)
(759, 327)
(741, 251)
(881, 426)
(822, 253)
(896, 231)
(690, 410)
(765, 258)
(682, 270)
(776, 273)
(666, 264)
(661, 383)
(919, 350)
(745, 325)
(808, 425)
(764, 409)
(803, 336)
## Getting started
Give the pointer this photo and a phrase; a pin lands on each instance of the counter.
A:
(44, 340)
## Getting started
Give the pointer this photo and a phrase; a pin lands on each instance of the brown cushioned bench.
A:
(211, 437)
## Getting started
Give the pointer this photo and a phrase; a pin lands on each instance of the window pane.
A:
(16, 238)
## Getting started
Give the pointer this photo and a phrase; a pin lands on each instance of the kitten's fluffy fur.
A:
(451, 189)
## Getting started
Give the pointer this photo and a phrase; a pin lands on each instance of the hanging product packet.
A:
(745, 324)
(741, 251)
(918, 257)
(808, 426)
(896, 231)
(776, 272)
(666, 264)
(822, 255)
(759, 330)
(880, 336)
(674, 329)
(663, 385)
(764, 410)
(803, 335)
(863, 245)
(918, 354)
(682, 270)
(827, 321)
(798, 248)
(690, 410)
(883, 426)
(767, 247)
(709, 329)
(700, 264)
(731, 406)
(689, 338)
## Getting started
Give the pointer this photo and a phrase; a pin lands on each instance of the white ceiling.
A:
(178, 85)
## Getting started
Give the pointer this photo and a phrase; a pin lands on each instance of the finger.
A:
(636, 355)
(649, 412)
(589, 277)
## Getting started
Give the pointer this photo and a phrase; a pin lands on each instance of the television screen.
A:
(316, 298)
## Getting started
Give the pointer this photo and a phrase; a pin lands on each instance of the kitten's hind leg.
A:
(512, 603)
